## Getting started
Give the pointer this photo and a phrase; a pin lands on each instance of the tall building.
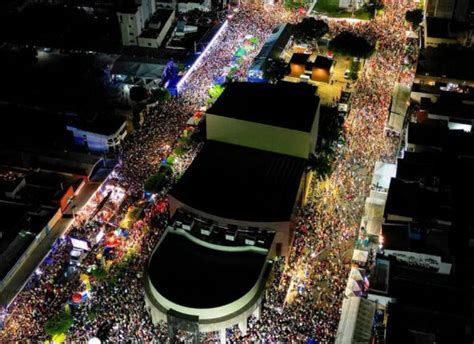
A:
(132, 17)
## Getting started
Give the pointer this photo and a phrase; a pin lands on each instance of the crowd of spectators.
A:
(304, 298)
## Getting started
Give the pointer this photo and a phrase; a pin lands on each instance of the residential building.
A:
(133, 17)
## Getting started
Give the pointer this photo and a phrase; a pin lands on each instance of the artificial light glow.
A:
(198, 60)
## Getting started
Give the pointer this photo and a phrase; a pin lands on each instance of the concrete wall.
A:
(260, 136)
(99, 142)
(131, 25)
(146, 42)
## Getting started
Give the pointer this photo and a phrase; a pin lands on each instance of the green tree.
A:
(309, 30)
(160, 94)
(347, 43)
(414, 17)
(254, 40)
(99, 274)
(276, 70)
(215, 91)
(154, 182)
(58, 324)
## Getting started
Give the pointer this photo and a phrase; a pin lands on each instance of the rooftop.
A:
(287, 105)
(409, 199)
(191, 278)
(105, 125)
(427, 134)
(141, 67)
(323, 62)
(161, 16)
(241, 183)
(453, 104)
(299, 58)
(447, 62)
(438, 27)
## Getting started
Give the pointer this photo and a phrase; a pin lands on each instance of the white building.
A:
(133, 19)
(158, 27)
(99, 137)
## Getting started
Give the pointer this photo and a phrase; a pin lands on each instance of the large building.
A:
(281, 118)
(219, 284)
(251, 172)
(142, 25)
(233, 209)
(243, 187)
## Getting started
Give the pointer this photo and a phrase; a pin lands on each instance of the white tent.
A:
(360, 256)
(383, 173)
(355, 324)
(355, 274)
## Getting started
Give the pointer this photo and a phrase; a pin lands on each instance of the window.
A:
(149, 44)
(131, 33)
(120, 19)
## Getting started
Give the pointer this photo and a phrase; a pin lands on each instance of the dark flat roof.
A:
(195, 276)
(412, 200)
(438, 27)
(323, 62)
(241, 183)
(285, 104)
(299, 58)
(425, 134)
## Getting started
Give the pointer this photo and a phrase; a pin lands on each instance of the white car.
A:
(347, 74)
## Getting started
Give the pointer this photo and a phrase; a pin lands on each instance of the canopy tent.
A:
(355, 325)
(139, 68)
(373, 212)
(383, 173)
(360, 256)
(355, 274)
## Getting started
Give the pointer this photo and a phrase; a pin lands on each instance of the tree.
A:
(58, 324)
(215, 91)
(330, 124)
(138, 93)
(276, 70)
(160, 94)
(154, 182)
(347, 43)
(309, 30)
(99, 274)
(414, 17)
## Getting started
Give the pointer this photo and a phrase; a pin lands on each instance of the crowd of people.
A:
(305, 296)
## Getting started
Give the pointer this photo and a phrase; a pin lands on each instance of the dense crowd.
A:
(306, 292)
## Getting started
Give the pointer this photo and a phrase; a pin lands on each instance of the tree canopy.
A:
(310, 29)
(154, 182)
(58, 324)
(138, 93)
(347, 43)
(215, 91)
(160, 94)
(414, 17)
(277, 69)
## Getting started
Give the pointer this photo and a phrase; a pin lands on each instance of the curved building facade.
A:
(208, 287)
